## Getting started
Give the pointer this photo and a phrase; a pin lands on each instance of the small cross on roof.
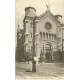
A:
(48, 6)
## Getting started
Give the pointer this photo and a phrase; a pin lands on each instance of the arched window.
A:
(52, 36)
(41, 35)
(49, 35)
(55, 36)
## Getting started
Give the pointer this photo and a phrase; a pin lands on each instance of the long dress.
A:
(34, 66)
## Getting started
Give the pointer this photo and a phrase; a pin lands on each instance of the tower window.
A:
(31, 35)
(31, 24)
(55, 36)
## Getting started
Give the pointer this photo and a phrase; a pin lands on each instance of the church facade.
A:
(48, 35)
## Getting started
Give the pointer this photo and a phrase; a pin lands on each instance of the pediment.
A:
(48, 14)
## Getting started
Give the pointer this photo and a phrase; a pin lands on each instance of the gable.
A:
(48, 14)
(47, 19)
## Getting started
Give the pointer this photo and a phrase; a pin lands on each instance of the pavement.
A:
(45, 71)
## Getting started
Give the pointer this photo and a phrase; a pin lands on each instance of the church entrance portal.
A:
(48, 50)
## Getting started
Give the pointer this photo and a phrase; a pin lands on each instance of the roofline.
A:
(58, 15)
(29, 8)
(39, 17)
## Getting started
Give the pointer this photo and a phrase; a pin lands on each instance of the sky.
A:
(56, 7)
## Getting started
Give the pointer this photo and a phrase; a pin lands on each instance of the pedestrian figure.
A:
(33, 65)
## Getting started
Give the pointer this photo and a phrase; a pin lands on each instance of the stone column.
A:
(26, 35)
(37, 39)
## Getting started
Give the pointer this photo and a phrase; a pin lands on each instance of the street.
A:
(45, 71)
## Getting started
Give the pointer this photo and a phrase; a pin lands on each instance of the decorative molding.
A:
(26, 21)
(26, 43)
(26, 33)
(37, 33)
(59, 36)
(48, 14)
(37, 21)
(36, 43)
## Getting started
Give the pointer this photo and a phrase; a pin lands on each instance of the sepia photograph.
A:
(39, 28)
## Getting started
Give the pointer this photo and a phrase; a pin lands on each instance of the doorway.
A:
(48, 50)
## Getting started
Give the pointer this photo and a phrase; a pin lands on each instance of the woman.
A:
(33, 65)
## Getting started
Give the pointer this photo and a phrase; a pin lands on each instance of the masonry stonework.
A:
(47, 33)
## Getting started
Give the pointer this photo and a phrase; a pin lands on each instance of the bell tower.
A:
(30, 13)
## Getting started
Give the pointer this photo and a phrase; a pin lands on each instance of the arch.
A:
(48, 43)
(48, 48)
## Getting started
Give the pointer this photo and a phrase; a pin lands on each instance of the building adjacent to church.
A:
(48, 35)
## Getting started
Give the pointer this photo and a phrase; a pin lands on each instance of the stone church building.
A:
(48, 35)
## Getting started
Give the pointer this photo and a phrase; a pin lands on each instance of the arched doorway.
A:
(48, 51)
